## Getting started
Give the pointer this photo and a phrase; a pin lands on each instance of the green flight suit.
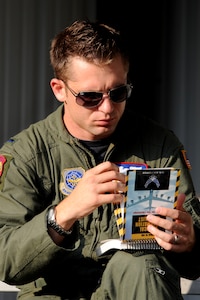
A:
(33, 168)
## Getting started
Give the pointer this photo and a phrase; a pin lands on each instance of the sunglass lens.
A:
(90, 96)
(119, 94)
(89, 99)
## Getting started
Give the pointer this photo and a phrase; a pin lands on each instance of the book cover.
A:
(125, 167)
(145, 190)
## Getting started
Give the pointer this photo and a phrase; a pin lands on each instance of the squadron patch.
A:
(71, 178)
(186, 160)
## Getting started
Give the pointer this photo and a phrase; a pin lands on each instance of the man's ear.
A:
(58, 88)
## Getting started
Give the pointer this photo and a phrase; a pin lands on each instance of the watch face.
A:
(51, 214)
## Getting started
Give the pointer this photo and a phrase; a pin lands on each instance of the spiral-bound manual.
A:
(146, 189)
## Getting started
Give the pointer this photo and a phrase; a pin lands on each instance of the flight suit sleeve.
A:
(25, 245)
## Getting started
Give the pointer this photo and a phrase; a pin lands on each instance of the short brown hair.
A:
(93, 41)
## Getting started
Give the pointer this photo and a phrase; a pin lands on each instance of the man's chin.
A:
(104, 133)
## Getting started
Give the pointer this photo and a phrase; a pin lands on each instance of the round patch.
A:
(71, 178)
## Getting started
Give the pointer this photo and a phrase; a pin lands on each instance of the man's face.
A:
(99, 122)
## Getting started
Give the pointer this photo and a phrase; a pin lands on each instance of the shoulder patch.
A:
(185, 159)
(71, 178)
(4, 165)
(2, 162)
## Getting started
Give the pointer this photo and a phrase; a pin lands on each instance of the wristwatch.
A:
(51, 222)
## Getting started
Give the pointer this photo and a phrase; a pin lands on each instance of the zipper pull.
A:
(159, 271)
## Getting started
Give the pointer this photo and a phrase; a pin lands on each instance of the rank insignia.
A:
(71, 178)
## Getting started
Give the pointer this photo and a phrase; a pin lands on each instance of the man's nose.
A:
(107, 104)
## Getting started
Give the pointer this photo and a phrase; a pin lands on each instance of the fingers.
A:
(175, 221)
(107, 171)
(180, 201)
(165, 239)
(172, 241)
(174, 214)
(105, 166)
(102, 184)
(175, 231)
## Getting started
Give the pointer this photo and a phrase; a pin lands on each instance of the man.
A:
(60, 182)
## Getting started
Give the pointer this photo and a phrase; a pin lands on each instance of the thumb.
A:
(180, 201)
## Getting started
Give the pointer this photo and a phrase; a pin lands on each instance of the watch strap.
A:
(51, 222)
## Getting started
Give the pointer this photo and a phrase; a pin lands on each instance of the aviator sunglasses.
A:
(93, 99)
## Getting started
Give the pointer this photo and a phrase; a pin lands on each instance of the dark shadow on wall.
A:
(142, 24)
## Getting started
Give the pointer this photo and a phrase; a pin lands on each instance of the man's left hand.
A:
(178, 234)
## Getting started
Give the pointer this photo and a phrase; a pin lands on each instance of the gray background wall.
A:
(164, 37)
